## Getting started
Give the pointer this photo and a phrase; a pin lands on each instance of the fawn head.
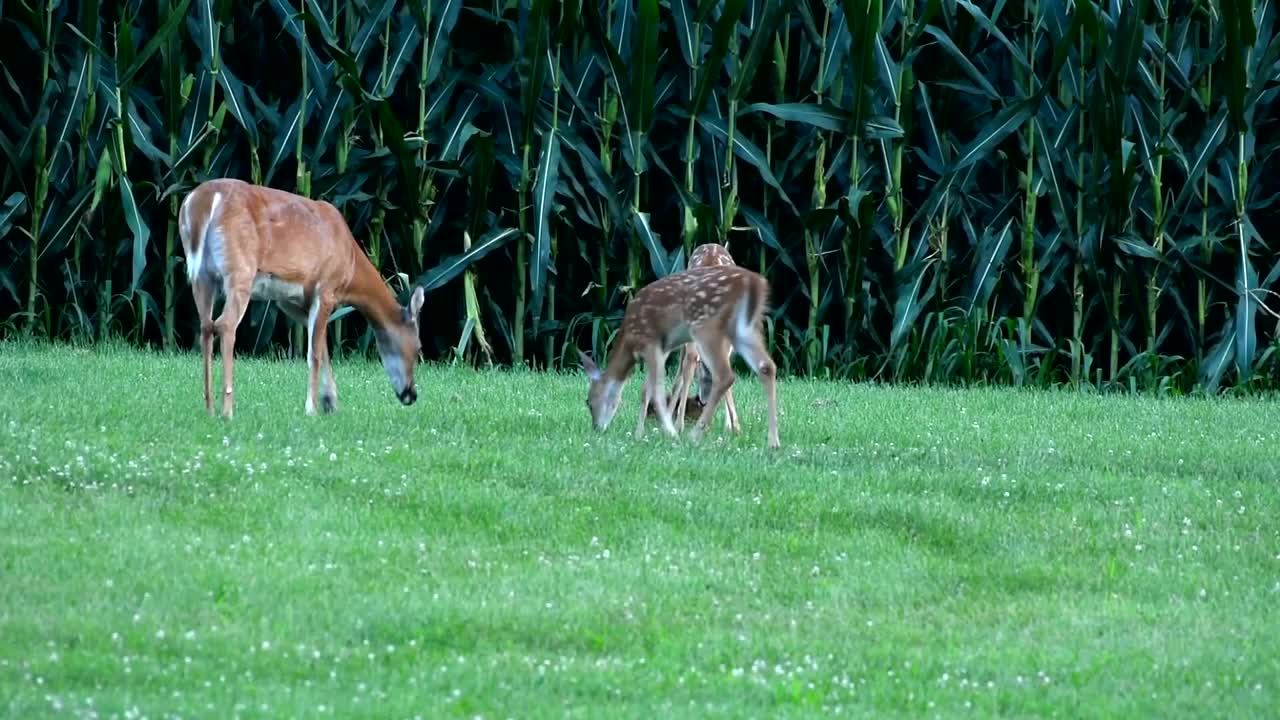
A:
(603, 395)
(399, 345)
(708, 254)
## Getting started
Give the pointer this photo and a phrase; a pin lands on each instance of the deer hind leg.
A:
(237, 288)
(752, 349)
(202, 289)
(715, 350)
(688, 363)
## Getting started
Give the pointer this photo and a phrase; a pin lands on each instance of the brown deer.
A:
(255, 242)
(705, 255)
(718, 308)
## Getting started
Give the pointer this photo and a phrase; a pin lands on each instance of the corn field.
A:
(1036, 192)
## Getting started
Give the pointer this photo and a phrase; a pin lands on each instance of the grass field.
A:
(483, 553)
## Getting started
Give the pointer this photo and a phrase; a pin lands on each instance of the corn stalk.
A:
(42, 168)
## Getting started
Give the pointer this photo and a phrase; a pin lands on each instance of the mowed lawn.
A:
(484, 553)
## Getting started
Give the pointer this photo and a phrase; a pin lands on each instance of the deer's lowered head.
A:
(604, 394)
(399, 345)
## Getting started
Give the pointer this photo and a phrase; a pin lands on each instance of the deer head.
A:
(603, 395)
(399, 345)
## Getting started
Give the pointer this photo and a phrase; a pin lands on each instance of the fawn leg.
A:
(722, 378)
(688, 363)
(656, 364)
(644, 405)
(730, 408)
(730, 412)
(753, 351)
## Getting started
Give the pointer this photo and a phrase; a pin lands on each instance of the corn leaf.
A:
(544, 194)
(440, 39)
(14, 204)
(725, 26)
(452, 266)
(138, 226)
(823, 116)
(746, 150)
(658, 259)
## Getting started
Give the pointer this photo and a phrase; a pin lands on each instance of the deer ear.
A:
(415, 302)
(589, 365)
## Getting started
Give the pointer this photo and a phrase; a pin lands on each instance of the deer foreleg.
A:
(688, 363)
(328, 387)
(656, 365)
(319, 374)
(722, 378)
(644, 405)
(730, 409)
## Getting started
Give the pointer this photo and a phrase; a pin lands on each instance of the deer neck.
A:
(621, 363)
(368, 294)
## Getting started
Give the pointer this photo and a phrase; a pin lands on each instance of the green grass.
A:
(908, 552)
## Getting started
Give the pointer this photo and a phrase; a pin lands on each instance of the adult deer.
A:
(717, 308)
(705, 255)
(256, 242)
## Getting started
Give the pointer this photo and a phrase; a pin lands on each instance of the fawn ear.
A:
(589, 365)
(415, 301)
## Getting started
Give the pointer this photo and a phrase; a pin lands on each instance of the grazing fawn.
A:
(705, 255)
(255, 242)
(717, 308)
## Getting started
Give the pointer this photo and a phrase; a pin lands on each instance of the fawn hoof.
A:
(328, 404)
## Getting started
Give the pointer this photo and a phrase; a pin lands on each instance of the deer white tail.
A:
(195, 265)
(749, 306)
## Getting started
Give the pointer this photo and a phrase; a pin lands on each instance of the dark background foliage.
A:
(1026, 192)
